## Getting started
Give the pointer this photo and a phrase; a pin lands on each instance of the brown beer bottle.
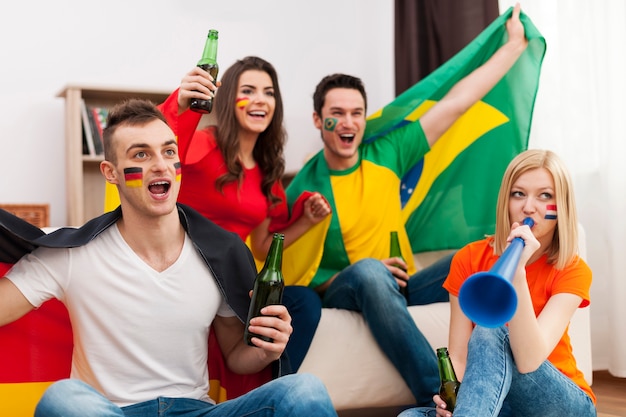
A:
(449, 384)
(208, 62)
(268, 286)
(395, 251)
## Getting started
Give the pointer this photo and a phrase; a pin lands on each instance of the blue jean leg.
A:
(426, 286)
(492, 381)
(74, 398)
(419, 412)
(305, 308)
(289, 396)
(368, 287)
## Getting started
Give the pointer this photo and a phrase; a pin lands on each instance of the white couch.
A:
(357, 374)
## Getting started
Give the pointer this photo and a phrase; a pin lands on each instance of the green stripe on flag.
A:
(453, 203)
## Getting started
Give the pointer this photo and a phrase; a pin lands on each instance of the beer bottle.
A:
(268, 286)
(449, 384)
(208, 62)
(394, 251)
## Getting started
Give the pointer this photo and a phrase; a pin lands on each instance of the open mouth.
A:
(159, 188)
(257, 114)
(347, 138)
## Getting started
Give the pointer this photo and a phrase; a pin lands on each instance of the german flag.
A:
(178, 171)
(36, 350)
(133, 176)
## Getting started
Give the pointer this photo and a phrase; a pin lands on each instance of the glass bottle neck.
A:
(446, 371)
(209, 55)
(274, 259)
(394, 245)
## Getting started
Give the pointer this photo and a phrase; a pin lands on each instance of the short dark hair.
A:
(336, 81)
(131, 112)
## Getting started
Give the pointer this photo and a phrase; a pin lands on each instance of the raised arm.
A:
(197, 83)
(477, 84)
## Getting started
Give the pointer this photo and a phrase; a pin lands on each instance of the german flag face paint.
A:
(330, 123)
(550, 212)
(178, 171)
(133, 176)
(242, 102)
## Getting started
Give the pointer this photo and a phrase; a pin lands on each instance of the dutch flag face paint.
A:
(550, 212)
(133, 176)
(330, 123)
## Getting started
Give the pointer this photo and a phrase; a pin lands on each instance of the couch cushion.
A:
(348, 360)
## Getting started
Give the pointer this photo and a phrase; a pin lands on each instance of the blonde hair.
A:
(564, 246)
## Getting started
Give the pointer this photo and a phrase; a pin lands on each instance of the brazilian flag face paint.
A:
(330, 123)
(133, 176)
(178, 171)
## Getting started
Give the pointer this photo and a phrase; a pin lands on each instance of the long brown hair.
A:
(268, 150)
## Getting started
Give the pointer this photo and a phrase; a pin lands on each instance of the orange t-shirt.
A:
(544, 280)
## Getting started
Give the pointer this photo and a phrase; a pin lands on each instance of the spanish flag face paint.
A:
(133, 176)
(178, 171)
(550, 212)
(242, 102)
(330, 123)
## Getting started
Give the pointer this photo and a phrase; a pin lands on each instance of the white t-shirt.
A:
(138, 333)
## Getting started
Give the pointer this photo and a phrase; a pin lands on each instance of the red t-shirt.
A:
(238, 207)
(544, 280)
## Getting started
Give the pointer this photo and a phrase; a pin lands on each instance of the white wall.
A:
(152, 44)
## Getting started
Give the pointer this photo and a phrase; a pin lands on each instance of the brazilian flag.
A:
(449, 197)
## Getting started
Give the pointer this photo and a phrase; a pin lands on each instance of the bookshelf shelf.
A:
(84, 183)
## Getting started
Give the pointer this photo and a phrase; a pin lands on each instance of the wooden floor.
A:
(610, 391)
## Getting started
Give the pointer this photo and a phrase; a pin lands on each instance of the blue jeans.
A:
(305, 308)
(492, 386)
(292, 395)
(368, 287)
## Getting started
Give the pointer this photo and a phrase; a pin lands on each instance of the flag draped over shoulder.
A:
(449, 197)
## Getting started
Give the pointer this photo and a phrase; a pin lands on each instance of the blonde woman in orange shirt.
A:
(526, 367)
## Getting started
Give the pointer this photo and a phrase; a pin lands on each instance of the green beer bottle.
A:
(268, 286)
(208, 62)
(449, 384)
(395, 251)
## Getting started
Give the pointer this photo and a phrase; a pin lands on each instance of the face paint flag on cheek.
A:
(330, 123)
(242, 102)
(178, 171)
(133, 176)
(550, 212)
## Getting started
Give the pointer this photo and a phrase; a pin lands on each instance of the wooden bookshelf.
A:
(35, 214)
(84, 182)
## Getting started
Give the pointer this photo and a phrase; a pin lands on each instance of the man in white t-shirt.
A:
(143, 285)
